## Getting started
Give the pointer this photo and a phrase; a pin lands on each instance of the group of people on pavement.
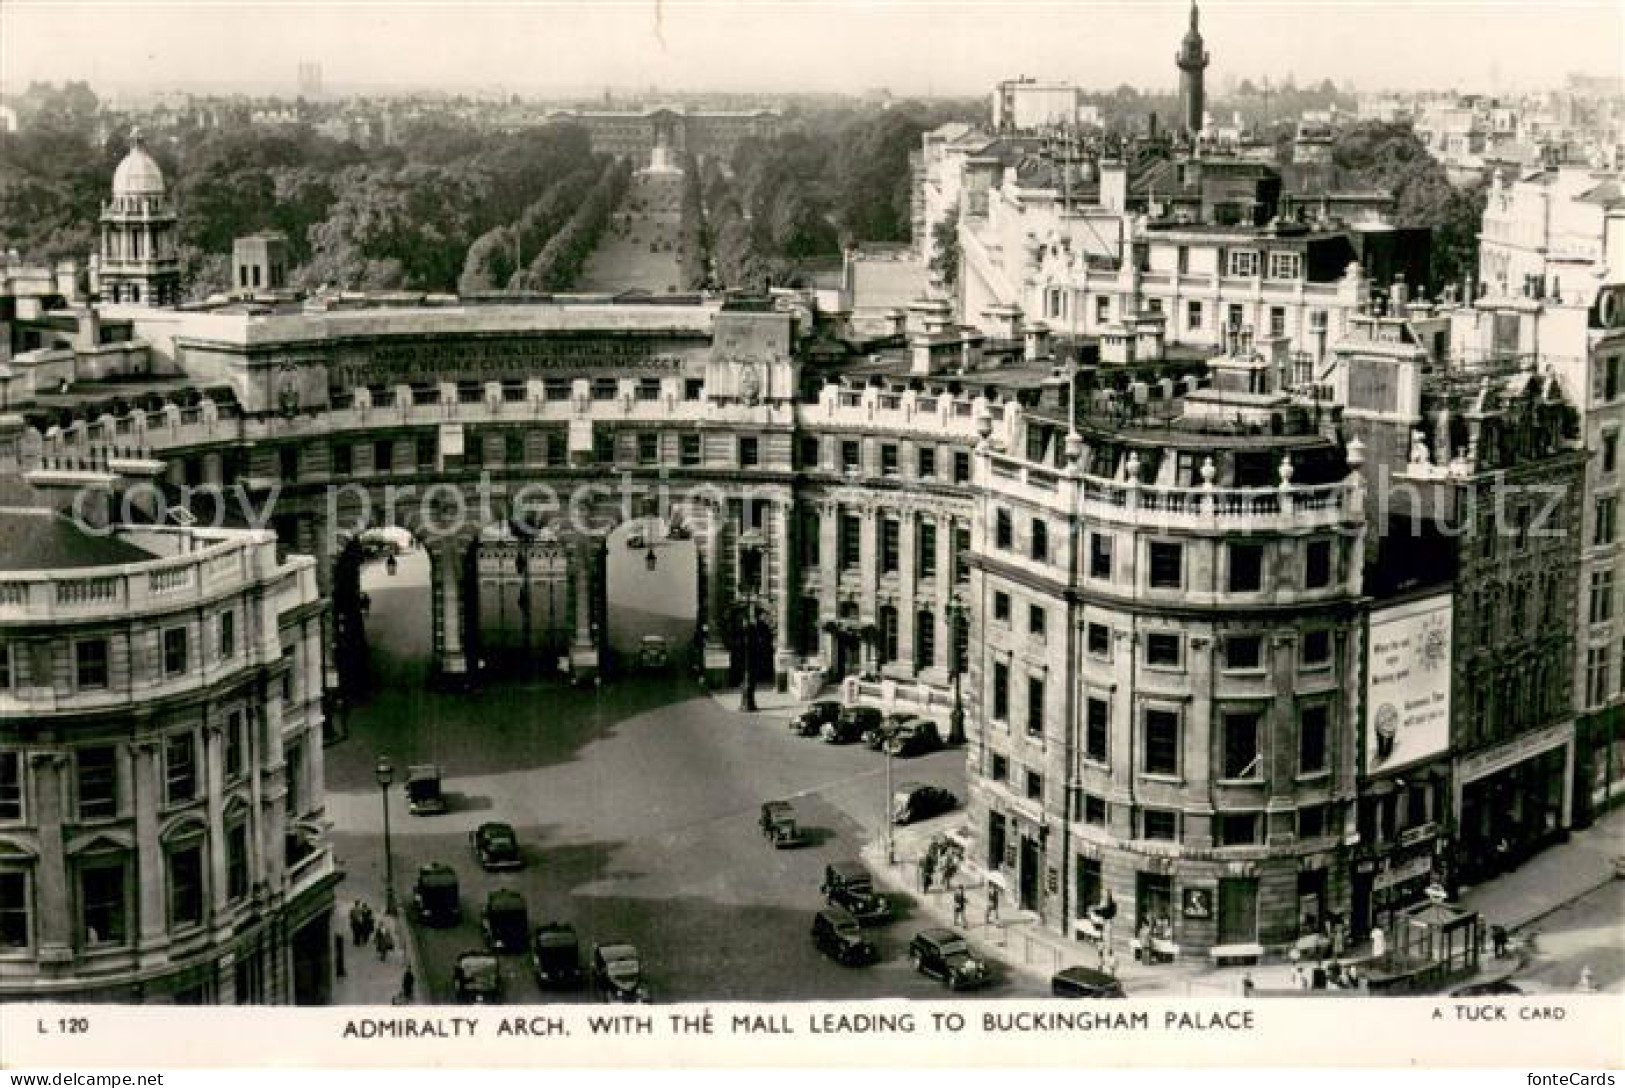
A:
(366, 929)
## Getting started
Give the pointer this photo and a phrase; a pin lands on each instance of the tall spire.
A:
(1192, 61)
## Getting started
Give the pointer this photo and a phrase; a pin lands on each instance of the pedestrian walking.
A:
(992, 905)
(1298, 980)
(409, 984)
(367, 923)
(1247, 985)
(383, 941)
(927, 864)
(950, 868)
(1586, 984)
(357, 926)
(1498, 936)
(959, 907)
(1108, 959)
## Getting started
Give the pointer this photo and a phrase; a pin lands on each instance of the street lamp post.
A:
(886, 813)
(956, 719)
(385, 773)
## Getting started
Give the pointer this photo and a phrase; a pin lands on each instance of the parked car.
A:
(851, 724)
(912, 802)
(944, 954)
(555, 955)
(505, 922)
(877, 737)
(914, 738)
(780, 826)
(1085, 982)
(811, 721)
(476, 979)
(617, 973)
(423, 794)
(849, 886)
(434, 894)
(837, 935)
(1498, 988)
(496, 846)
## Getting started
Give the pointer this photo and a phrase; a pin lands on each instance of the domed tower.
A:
(1192, 60)
(139, 261)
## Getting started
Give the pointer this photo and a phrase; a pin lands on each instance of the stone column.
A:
(448, 574)
(908, 596)
(272, 796)
(146, 776)
(53, 901)
(715, 659)
(584, 647)
(780, 581)
(214, 781)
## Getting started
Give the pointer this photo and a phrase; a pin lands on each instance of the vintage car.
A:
(617, 973)
(654, 653)
(555, 954)
(505, 921)
(434, 894)
(811, 721)
(1085, 982)
(851, 724)
(496, 846)
(944, 954)
(912, 802)
(477, 979)
(423, 794)
(837, 935)
(875, 739)
(779, 825)
(849, 886)
(914, 738)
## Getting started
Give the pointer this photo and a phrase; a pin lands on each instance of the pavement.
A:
(1553, 880)
(369, 979)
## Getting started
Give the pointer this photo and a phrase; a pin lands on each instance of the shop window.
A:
(1167, 565)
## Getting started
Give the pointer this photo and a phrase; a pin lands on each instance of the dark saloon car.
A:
(945, 955)
(496, 846)
(914, 738)
(875, 739)
(847, 885)
(555, 954)
(617, 973)
(913, 802)
(853, 722)
(1085, 982)
(811, 721)
(779, 825)
(837, 935)
(434, 894)
(505, 922)
(477, 979)
(424, 796)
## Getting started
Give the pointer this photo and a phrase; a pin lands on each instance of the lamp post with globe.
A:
(384, 772)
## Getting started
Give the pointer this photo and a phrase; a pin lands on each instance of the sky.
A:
(911, 47)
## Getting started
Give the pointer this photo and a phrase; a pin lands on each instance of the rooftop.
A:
(36, 539)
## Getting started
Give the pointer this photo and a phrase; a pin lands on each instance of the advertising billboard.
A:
(1407, 695)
